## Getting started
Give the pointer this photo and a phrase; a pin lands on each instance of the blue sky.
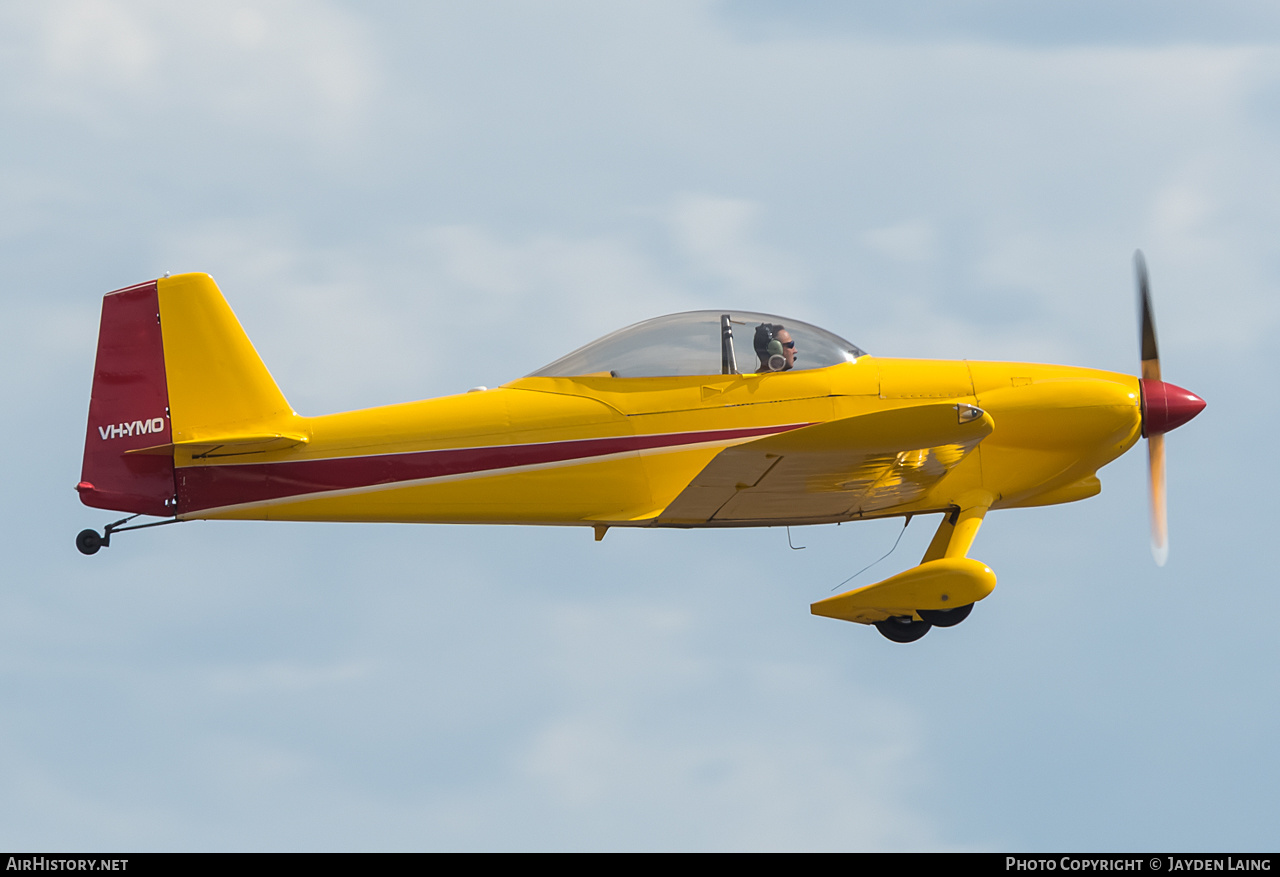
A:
(406, 200)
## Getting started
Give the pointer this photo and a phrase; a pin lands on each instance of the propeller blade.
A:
(1159, 507)
(1150, 354)
(1165, 407)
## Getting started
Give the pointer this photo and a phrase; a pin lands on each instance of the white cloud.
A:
(576, 284)
(295, 68)
(905, 242)
(768, 788)
(99, 39)
(721, 238)
(278, 677)
(438, 310)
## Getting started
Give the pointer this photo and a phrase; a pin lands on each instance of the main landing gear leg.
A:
(89, 541)
(953, 539)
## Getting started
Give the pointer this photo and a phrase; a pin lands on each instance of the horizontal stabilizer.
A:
(228, 446)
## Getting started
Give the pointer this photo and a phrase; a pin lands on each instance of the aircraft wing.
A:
(868, 463)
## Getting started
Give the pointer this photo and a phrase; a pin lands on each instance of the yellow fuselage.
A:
(598, 450)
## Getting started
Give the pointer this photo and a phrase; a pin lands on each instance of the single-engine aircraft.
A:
(705, 419)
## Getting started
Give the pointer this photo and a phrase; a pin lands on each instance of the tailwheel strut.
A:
(90, 541)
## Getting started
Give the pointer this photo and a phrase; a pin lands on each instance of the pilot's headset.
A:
(769, 347)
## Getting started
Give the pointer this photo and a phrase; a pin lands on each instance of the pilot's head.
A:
(775, 348)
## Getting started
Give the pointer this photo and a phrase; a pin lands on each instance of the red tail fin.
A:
(129, 409)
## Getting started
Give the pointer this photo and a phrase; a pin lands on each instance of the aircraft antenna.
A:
(886, 554)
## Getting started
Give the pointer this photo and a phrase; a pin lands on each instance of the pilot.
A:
(775, 348)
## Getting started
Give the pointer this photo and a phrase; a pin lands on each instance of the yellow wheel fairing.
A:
(936, 584)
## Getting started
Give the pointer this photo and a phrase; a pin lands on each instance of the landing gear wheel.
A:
(88, 541)
(902, 628)
(945, 617)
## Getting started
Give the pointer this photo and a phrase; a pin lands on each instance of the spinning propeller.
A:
(1165, 407)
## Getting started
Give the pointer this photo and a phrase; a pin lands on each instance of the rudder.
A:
(128, 409)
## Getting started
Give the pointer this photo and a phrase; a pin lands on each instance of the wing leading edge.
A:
(855, 465)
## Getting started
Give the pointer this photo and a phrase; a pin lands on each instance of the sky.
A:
(404, 200)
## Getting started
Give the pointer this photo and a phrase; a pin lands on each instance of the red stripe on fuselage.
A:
(208, 487)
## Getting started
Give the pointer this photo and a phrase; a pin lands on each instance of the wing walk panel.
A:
(867, 463)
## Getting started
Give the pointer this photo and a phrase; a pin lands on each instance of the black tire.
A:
(945, 617)
(902, 628)
(88, 541)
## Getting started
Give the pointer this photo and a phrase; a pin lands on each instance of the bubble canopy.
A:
(704, 343)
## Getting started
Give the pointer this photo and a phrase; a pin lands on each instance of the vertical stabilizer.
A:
(218, 385)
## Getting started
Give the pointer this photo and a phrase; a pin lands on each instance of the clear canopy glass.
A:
(705, 343)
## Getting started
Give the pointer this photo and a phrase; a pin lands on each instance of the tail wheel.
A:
(902, 628)
(88, 541)
(945, 617)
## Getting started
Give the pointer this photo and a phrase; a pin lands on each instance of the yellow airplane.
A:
(701, 419)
